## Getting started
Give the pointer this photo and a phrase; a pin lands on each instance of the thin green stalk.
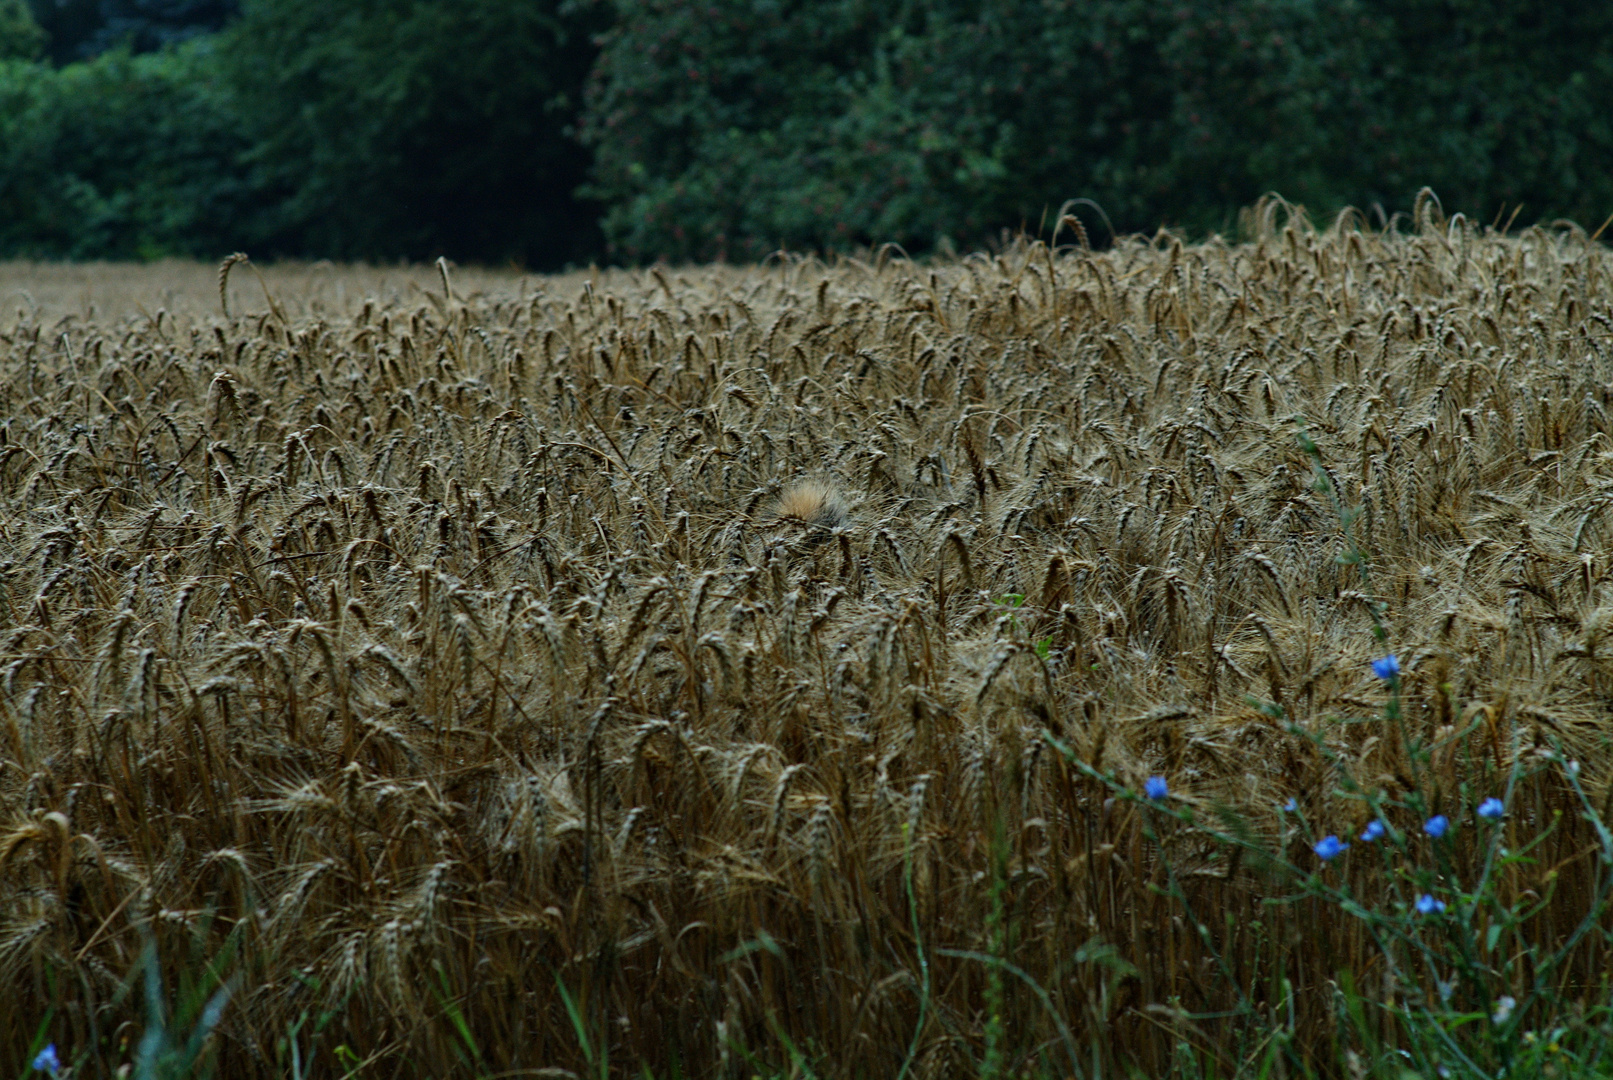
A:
(997, 939)
(918, 943)
(998, 964)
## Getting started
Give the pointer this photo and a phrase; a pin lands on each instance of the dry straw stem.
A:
(411, 631)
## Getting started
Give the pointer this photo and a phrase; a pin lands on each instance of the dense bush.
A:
(385, 129)
(120, 157)
(412, 128)
(394, 128)
(732, 128)
(736, 127)
(82, 29)
(20, 36)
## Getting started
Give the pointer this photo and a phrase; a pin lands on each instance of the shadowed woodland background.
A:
(549, 133)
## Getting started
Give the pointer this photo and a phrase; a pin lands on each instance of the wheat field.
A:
(478, 674)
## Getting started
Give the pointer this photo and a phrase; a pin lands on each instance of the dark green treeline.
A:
(548, 132)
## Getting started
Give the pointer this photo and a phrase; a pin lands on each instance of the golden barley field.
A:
(653, 672)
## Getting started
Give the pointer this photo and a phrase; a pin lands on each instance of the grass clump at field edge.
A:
(726, 670)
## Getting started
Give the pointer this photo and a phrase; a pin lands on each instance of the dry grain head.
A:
(621, 689)
(814, 505)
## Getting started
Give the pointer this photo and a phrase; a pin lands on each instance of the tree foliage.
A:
(370, 129)
(83, 29)
(735, 126)
(121, 157)
(553, 131)
(20, 36)
(397, 128)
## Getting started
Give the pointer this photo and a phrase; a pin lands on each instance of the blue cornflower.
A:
(1437, 825)
(1386, 668)
(1492, 809)
(1290, 806)
(1329, 847)
(47, 1060)
(1156, 788)
(1374, 831)
(1428, 905)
